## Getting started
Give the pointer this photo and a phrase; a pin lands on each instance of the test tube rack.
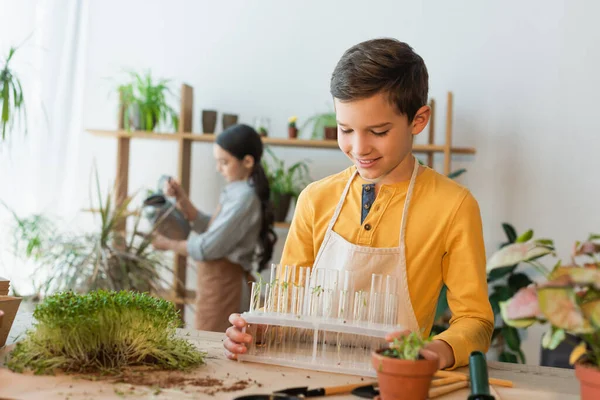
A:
(319, 320)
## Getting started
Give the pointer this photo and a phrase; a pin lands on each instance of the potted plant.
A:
(285, 183)
(107, 258)
(568, 299)
(324, 126)
(11, 97)
(144, 103)
(503, 283)
(292, 128)
(402, 371)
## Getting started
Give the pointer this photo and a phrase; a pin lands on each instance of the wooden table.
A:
(531, 383)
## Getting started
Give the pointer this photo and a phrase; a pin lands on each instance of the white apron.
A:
(337, 253)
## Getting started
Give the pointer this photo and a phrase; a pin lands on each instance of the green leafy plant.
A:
(568, 300)
(106, 259)
(408, 347)
(145, 103)
(11, 97)
(103, 331)
(504, 282)
(285, 181)
(319, 122)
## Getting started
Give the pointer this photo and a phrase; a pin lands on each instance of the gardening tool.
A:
(162, 212)
(372, 391)
(274, 396)
(304, 391)
(480, 387)
(465, 377)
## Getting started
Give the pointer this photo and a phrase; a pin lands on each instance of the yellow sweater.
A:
(444, 244)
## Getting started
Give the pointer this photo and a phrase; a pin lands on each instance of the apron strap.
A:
(409, 193)
(336, 213)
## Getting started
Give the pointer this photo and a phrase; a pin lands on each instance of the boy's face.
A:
(376, 138)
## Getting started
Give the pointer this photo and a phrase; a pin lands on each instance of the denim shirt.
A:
(234, 231)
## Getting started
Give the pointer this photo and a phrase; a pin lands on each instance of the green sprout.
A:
(408, 347)
(103, 331)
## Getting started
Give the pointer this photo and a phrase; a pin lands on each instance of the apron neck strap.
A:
(409, 193)
(338, 208)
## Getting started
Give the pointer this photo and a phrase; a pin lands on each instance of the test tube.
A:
(391, 300)
(255, 297)
(376, 300)
(284, 289)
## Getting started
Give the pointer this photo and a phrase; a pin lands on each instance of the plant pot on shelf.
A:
(209, 121)
(589, 379)
(331, 133)
(281, 204)
(229, 120)
(403, 379)
(292, 132)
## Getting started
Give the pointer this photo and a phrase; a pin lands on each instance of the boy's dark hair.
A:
(382, 65)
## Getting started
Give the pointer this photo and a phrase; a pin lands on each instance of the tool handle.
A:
(445, 381)
(442, 390)
(465, 377)
(344, 388)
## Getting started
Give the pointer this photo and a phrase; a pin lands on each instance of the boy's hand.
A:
(236, 339)
(437, 349)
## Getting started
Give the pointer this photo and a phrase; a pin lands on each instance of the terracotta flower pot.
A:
(292, 132)
(331, 132)
(209, 121)
(589, 378)
(403, 379)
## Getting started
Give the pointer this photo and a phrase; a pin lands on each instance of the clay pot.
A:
(589, 379)
(282, 203)
(331, 133)
(229, 120)
(209, 121)
(292, 132)
(403, 379)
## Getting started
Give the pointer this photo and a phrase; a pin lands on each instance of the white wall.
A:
(524, 75)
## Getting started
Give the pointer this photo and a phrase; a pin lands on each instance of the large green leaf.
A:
(513, 340)
(516, 323)
(559, 306)
(500, 273)
(508, 357)
(518, 281)
(442, 305)
(511, 233)
(525, 237)
(516, 253)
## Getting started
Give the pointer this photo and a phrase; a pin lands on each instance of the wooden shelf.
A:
(209, 137)
(184, 138)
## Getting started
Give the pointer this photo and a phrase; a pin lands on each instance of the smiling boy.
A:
(387, 214)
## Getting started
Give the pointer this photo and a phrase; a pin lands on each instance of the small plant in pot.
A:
(144, 103)
(324, 126)
(569, 301)
(285, 183)
(402, 371)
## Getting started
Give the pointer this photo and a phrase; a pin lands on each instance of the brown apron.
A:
(219, 293)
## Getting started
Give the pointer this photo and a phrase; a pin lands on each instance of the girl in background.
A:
(226, 245)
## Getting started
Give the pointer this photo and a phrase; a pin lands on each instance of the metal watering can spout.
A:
(164, 215)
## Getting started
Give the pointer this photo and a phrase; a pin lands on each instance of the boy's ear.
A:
(248, 161)
(420, 120)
